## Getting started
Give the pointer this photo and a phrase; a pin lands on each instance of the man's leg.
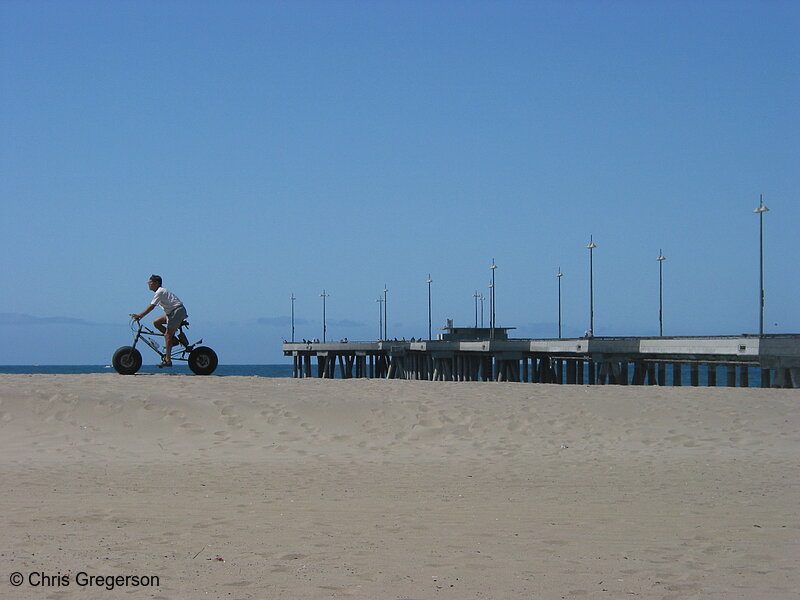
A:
(169, 337)
(161, 323)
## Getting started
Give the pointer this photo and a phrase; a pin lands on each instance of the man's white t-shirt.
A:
(166, 300)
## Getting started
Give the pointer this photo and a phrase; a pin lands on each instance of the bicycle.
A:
(127, 360)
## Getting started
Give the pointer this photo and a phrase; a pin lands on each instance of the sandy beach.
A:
(165, 486)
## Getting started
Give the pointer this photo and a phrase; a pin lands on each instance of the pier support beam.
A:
(676, 373)
(731, 376)
(662, 374)
(787, 377)
(572, 371)
(744, 376)
(639, 373)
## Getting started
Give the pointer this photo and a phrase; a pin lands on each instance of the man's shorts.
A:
(176, 317)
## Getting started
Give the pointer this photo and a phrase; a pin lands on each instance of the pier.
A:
(714, 360)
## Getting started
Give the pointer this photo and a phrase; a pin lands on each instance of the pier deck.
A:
(597, 360)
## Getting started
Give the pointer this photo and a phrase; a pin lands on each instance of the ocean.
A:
(179, 368)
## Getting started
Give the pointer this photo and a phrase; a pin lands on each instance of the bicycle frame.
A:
(144, 333)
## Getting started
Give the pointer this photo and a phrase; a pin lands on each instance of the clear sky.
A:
(246, 151)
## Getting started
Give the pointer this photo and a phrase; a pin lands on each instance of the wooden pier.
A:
(718, 360)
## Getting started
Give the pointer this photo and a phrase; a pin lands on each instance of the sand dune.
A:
(397, 489)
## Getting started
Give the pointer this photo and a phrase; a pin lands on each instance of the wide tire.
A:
(127, 360)
(202, 361)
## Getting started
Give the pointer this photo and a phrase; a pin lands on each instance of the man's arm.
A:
(142, 314)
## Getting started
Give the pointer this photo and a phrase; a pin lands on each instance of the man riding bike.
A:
(168, 324)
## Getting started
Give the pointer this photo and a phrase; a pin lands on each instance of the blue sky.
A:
(246, 151)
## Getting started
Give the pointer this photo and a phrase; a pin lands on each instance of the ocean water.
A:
(179, 368)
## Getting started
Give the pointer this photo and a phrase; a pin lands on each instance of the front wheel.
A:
(202, 361)
(127, 360)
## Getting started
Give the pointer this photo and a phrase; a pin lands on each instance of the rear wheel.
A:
(127, 360)
(202, 361)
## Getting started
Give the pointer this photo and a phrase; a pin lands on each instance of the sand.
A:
(239, 487)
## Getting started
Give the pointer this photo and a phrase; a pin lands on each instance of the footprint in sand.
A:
(192, 428)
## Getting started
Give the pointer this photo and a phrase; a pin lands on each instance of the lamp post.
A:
(661, 258)
(292, 298)
(380, 318)
(559, 275)
(491, 299)
(385, 312)
(591, 246)
(482, 298)
(761, 210)
(476, 295)
(429, 280)
(323, 295)
(494, 301)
